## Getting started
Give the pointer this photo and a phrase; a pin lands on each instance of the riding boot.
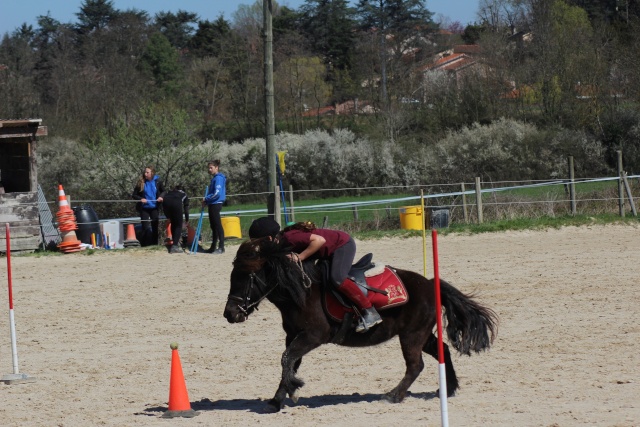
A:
(369, 319)
(370, 316)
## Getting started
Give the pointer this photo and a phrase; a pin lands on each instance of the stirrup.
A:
(363, 326)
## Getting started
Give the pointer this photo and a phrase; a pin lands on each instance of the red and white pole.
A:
(444, 412)
(16, 376)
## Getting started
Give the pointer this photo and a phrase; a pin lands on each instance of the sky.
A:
(14, 13)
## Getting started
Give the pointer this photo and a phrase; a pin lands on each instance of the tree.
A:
(176, 27)
(398, 23)
(160, 62)
(209, 38)
(164, 137)
(95, 15)
(329, 27)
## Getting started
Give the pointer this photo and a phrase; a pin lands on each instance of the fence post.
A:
(572, 186)
(325, 222)
(293, 215)
(464, 205)
(620, 185)
(479, 199)
(355, 213)
(629, 195)
(388, 209)
(276, 205)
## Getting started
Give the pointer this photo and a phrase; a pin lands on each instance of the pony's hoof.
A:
(295, 396)
(272, 407)
(391, 398)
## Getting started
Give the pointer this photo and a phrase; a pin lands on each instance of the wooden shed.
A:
(19, 183)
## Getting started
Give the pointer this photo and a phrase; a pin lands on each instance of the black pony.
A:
(262, 270)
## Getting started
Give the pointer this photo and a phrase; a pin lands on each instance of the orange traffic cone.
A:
(169, 239)
(70, 242)
(63, 204)
(179, 405)
(131, 241)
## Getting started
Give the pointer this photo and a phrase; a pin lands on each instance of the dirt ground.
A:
(94, 330)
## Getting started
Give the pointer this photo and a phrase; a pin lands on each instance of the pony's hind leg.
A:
(431, 347)
(413, 358)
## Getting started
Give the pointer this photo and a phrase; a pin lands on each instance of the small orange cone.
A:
(169, 239)
(179, 405)
(131, 241)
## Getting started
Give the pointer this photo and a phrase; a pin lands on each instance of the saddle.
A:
(381, 286)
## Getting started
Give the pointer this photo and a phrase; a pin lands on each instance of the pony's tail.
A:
(469, 325)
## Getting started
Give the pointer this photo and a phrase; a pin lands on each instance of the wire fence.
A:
(381, 208)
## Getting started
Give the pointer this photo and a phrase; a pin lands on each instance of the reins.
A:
(245, 305)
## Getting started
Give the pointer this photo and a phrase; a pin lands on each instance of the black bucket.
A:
(88, 223)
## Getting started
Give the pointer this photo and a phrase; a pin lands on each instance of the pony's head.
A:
(262, 269)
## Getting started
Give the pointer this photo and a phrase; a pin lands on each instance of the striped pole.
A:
(194, 244)
(16, 376)
(444, 412)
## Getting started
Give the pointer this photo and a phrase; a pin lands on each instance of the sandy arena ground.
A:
(95, 332)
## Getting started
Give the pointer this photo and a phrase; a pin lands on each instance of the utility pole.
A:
(267, 7)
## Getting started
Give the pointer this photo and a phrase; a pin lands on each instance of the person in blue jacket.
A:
(149, 192)
(216, 195)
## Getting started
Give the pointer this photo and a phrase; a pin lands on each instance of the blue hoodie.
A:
(151, 193)
(217, 192)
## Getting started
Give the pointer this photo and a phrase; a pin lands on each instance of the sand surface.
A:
(95, 332)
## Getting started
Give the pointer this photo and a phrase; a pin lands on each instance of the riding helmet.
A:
(263, 227)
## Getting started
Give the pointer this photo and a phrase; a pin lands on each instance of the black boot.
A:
(369, 319)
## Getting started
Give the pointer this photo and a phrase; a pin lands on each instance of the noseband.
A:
(245, 304)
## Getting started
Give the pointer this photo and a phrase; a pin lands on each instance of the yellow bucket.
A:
(411, 217)
(231, 227)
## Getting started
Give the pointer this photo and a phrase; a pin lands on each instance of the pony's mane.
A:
(271, 257)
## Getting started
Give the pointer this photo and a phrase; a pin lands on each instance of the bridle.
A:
(245, 304)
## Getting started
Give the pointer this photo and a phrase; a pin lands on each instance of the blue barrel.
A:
(88, 223)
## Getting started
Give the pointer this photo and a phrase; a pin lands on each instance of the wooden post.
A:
(620, 185)
(629, 195)
(355, 212)
(479, 199)
(572, 186)
(276, 205)
(291, 210)
(269, 122)
(465, 213)
(325, 222)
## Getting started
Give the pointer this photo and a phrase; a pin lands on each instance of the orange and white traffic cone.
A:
(67, 225)
(131, 240)
(179, 405)
(63, 204)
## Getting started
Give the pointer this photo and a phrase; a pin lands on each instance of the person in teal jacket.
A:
(149, 191)
(216, 195)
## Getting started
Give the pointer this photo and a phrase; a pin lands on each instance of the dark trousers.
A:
(174, 212)
(341, 262)
(149, 220)
(217, 232)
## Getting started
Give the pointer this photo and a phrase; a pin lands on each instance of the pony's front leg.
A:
(289, 383)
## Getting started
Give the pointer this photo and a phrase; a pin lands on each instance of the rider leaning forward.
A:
(309, 242)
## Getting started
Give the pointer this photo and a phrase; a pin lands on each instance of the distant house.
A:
(454, 62)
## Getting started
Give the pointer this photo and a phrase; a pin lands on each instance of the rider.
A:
(309, 242)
